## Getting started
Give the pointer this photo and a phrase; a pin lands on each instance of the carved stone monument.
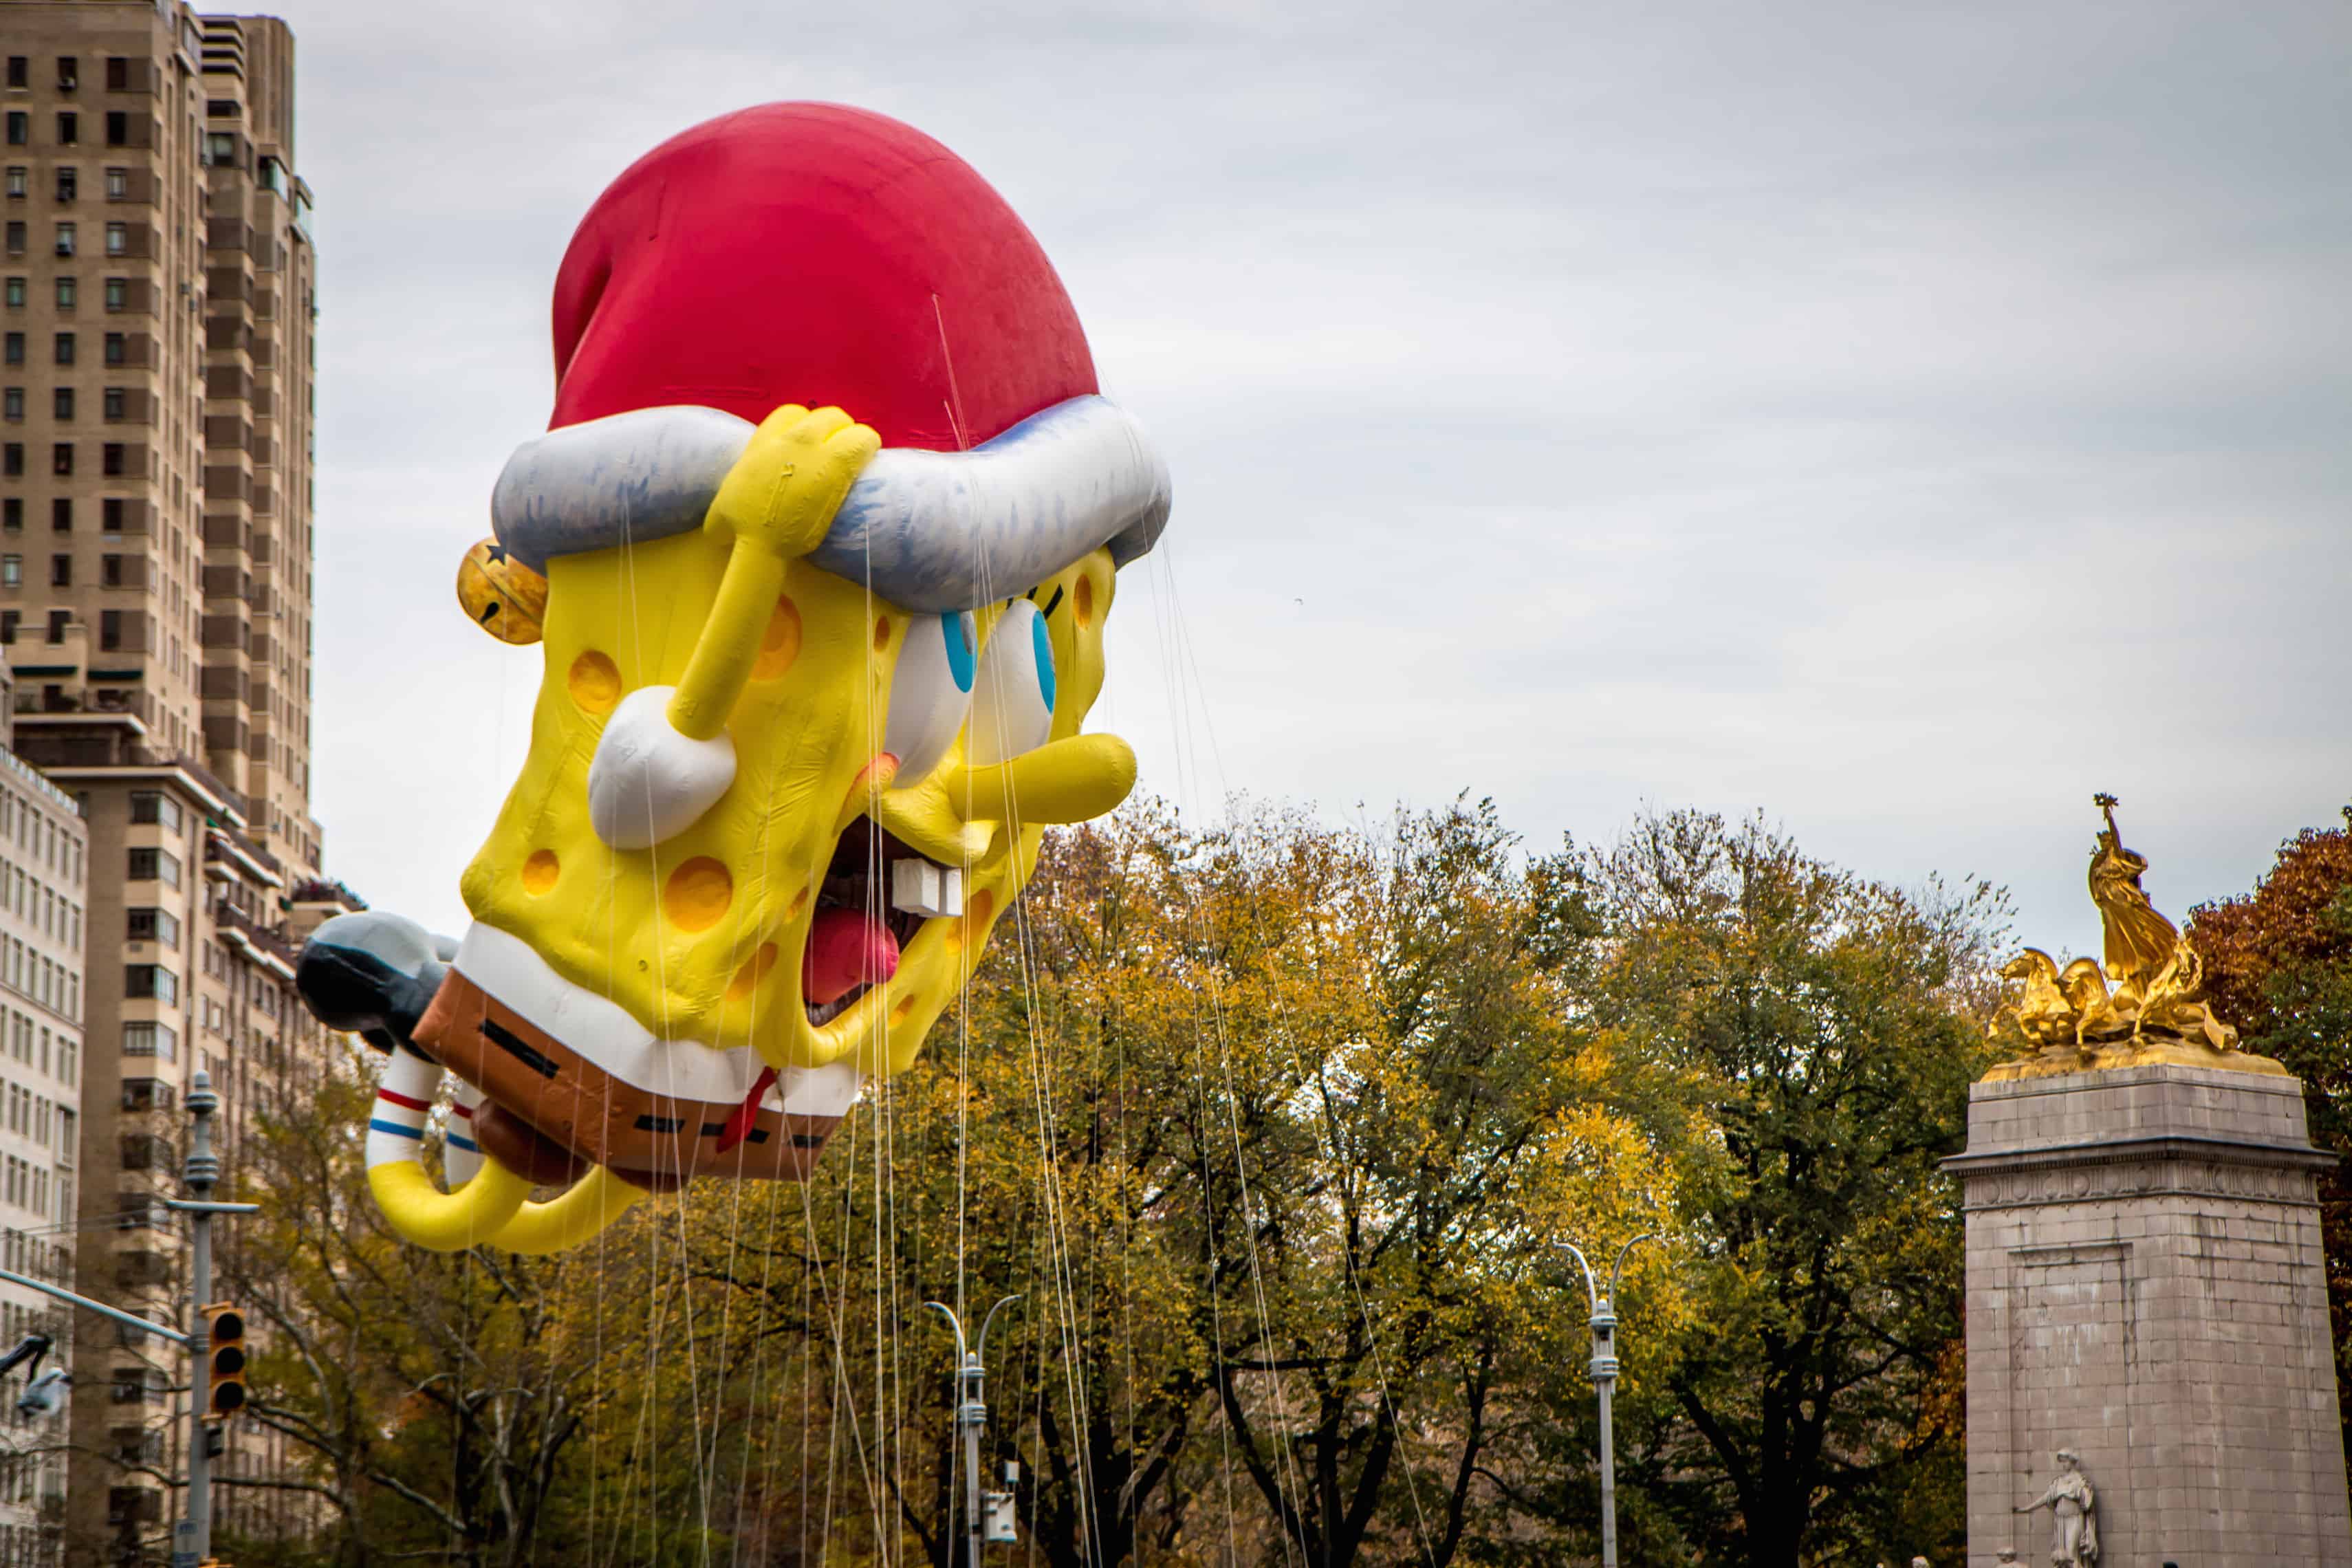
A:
(2144, 1284)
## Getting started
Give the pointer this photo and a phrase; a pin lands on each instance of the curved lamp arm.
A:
(1618, 1272)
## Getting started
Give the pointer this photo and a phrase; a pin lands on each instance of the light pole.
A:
(192, 1541)
(987, 1516)
(1604, 1322)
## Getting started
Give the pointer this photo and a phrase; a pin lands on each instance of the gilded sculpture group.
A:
(2069, 1019)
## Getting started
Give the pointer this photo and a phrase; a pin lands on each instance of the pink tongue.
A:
(846, 949)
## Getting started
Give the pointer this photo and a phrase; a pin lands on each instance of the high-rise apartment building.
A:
(44, 873)
(155, 450)
(155, 398)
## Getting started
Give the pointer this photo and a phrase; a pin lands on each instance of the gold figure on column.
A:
(2068, 1021)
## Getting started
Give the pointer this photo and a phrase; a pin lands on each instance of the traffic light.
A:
(225, 1389)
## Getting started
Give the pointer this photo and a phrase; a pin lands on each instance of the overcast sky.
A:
(1900, 421)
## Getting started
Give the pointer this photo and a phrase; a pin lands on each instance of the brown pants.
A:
(575, 1103)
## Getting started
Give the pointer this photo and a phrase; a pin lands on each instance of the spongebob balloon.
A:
(818, 549)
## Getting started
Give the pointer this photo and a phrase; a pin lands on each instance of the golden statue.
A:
(2068, 1021)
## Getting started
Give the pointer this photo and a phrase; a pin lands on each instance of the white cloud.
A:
(1903, 421)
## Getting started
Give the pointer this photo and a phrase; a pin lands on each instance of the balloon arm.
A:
(729, 641)
(777, 500)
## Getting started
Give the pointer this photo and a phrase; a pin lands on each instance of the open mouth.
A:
(878, 891)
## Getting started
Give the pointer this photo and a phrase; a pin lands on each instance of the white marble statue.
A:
(2073, 1517)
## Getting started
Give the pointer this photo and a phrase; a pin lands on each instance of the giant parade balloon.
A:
(818, 550)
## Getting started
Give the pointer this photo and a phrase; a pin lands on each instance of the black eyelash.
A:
(1056, 599)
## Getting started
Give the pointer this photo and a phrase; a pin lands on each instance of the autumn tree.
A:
(1823, 1030)
(1272, 1126)
(1451, 1125)
(440, 1404)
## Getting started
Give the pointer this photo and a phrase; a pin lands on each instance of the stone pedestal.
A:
(2145, 1285)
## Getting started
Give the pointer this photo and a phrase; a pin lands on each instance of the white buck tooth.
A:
(923, 888)
(914, 887)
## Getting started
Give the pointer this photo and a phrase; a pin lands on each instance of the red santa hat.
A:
(816, 254)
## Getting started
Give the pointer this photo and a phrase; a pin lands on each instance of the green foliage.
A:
(1822, 1032)
(1272, 1129)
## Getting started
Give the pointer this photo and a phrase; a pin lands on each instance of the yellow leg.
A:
(571, 1216)
(447, 1222)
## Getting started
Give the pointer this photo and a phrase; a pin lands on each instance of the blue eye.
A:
(1013, 701)
(930, 692)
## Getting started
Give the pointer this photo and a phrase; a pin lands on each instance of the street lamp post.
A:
(1604, 1322)
(988, 1515)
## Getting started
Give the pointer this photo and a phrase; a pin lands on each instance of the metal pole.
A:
(972, 1414)
(1603, 1367)
(1604, 1378)
(201, 1170)
(971, 1420)
(87, 1305)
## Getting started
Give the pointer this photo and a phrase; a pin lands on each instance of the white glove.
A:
(646, 782)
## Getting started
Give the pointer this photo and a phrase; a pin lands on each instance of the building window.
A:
(15, 293)
(69, 72)
(118, 293)
(220, 148)
(157, 1040)
(111, 459)
(59, 621)
(12, 570)
(65, 239)
(109, 622)
(12, 404)
(62, 348)
(112, 403)
(11, 515)
(14, 351)
(109, 517)
(16, 237)
(118, 184)
(69, 128)
(62, 404)
(60, 571)
(68, 182)
(19, 180)
(9, 621)
(12, 459)
(155, 807)
(20, 128)
(110, 575)
(117, 349)
(61, 459)
(154, 865)
(118, 128)
(61, 514)
(118, 73)
(20, 70)
(118, 240)
(68, 294)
